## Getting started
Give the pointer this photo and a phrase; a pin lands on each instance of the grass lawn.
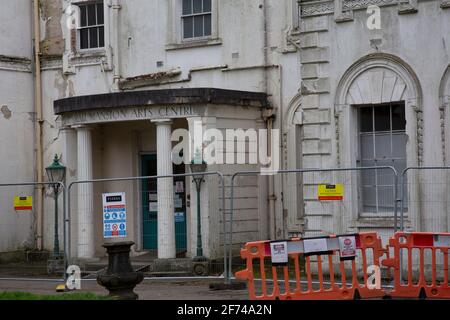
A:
(62, 296)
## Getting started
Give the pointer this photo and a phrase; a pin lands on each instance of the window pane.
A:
(399, 145)
(382, 118)
(100, 14)
(187, 7)
(366, 119)
(188, 27)
(369, 199)
(91, 15)
(398, 117)
(84, 39)
(385, 199)
(366, 146)
(93, 37)
(83, 19)
(383, 146)
(198, 6)
(101, 36)
(368, 176)
(206, 5)
(385, 176)
(207, 24)
(198, 26)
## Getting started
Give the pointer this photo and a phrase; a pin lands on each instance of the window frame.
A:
(174, 30)
(193, 15)
(359, 160)
(79, 28)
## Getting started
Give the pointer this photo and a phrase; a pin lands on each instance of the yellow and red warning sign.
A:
(23, 203)
(330, 192)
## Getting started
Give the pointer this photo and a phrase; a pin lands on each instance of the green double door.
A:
(150, 206)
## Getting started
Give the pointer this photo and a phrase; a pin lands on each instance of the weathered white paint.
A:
(16, 123)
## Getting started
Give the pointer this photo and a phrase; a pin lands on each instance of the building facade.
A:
(118, 78)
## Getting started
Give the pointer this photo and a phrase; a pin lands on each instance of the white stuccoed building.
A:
(116, 86)
(17, 119)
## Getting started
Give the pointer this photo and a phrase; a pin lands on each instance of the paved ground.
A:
(147, 290)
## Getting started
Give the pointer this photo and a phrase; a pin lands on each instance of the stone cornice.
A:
(12, 63)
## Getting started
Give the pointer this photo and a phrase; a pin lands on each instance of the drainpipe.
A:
(272, 196)
(115, 42)
(38, 125)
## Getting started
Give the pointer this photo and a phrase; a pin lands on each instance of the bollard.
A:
(120, 279)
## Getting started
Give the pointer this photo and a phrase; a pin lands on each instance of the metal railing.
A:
(393, 203)
(424, 189)
(142, 178)
(63, 192)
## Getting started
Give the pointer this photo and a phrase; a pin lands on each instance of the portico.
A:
(114, 132)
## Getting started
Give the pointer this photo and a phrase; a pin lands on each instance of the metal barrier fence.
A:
(18, 227)
(424, 207)
(370, 202)
(425, 199)
(141, 199)
(367, 200)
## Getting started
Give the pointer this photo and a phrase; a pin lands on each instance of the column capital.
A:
(159, 122)
(67, 128)
(82, 126)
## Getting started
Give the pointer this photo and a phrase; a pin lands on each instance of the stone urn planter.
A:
(120, 279)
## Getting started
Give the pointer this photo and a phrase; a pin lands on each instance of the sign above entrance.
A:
(132, 114)
(114, 215)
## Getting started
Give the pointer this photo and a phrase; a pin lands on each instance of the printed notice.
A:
(153, 206)
(114, 215)
(178, 203)
(23, 203)
(279, 253)
(347, 246)
(330, 192)
(315, 245)
(179, 187)
(179, 216)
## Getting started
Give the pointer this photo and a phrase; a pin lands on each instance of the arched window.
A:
(379, 123)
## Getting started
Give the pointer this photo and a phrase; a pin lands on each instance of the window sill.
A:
(194, 44)
(88, 57)
(87, 53)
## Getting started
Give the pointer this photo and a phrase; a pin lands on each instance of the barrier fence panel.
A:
(330, 201)
(288, 266)
(20, 255)
(425, 267)
(425, 199)
(137, 209)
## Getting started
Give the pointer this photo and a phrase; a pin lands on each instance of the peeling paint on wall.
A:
(6, 112)
(64, 85)
(52, 43)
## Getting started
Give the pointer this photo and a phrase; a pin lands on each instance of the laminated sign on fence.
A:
(331, 192)
(114, 215)
(23, 203)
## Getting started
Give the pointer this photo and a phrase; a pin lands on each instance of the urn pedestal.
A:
(120, 279)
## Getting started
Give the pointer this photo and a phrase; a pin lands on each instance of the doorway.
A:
(150, 206)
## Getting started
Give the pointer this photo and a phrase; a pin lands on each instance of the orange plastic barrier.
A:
(419, 241)
(302, 252)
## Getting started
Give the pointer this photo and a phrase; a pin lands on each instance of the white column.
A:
(166, 222)
(85, 194)
(69, 154)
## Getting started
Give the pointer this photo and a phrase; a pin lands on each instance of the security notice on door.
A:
(114, 215)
